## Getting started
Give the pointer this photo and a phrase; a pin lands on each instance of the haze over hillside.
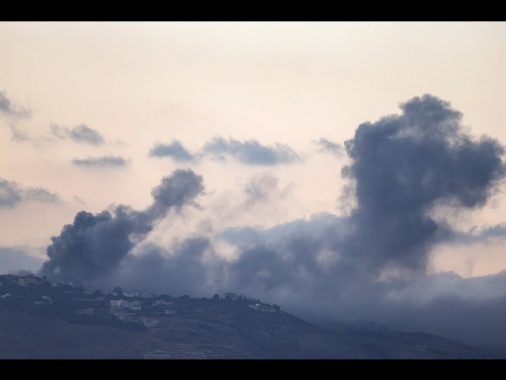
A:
(43, 319)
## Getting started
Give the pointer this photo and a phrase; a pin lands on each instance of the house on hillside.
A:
(118, 306)
(87, 311)
(150, 322)
(264, 308)
(28, 281)
(135, 305)
(162, 303)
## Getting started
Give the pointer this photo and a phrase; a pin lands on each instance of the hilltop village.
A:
(79, 303)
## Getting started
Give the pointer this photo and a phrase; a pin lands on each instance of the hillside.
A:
(39, 320)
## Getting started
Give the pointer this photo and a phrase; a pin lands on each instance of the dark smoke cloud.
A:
(14, 259)
(101, 162)
(94, 245)
(328, 146)
(12, 193)
(294, 262)
(175, 192)
(403, 167)
(183, 269)
(174, 150)
(80, 134)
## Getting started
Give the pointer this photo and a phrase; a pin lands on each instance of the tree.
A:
(118, 291)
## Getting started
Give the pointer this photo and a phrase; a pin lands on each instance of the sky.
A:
(343, 170)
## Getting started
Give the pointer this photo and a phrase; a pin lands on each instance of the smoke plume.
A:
(403, 167)
(94, 245)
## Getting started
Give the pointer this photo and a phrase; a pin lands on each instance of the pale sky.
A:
(94, 115)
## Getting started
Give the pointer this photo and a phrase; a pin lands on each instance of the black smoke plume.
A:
(94, 245)
(403, 167)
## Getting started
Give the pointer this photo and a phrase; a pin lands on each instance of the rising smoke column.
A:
(405, 165)
(94, 245)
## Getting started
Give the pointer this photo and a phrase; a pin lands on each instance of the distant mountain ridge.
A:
(40, 319)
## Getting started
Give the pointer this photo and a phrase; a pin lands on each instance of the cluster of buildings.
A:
(127, 307)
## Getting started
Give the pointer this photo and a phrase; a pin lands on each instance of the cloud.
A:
(174, 150)
(11, 194)
(80, 134)
(18, 135)
(260, 186)
(480, 235)
(8, 108)
(101, 162)
(328, 146)
(5, 103)
(248, 152)
(40, 194)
